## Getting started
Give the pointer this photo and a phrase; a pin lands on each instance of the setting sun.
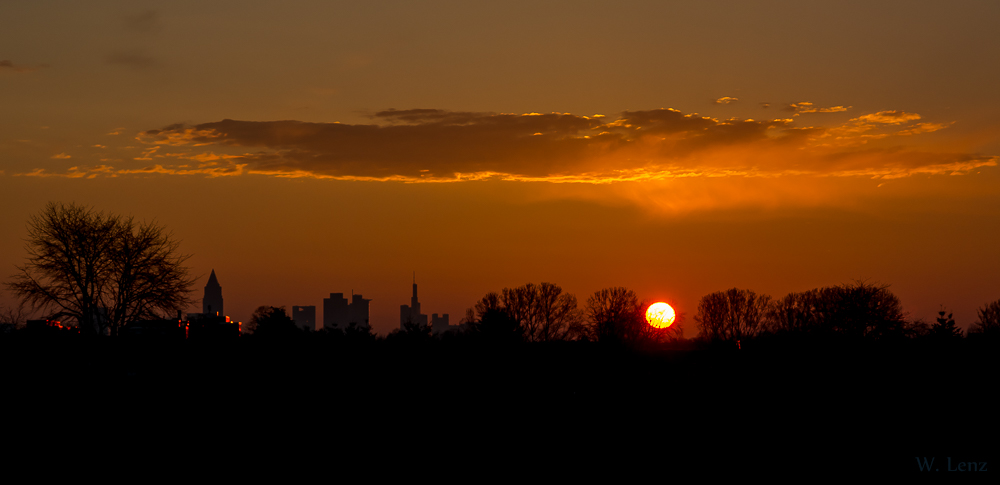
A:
(660, 315)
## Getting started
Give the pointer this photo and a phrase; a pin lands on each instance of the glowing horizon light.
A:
(660, 315)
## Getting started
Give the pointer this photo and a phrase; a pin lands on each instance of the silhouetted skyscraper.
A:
(211, 304)
(411, 313)
(335, 311)
(338, 313)
(357, 311)
(305, 317)
(440, 324)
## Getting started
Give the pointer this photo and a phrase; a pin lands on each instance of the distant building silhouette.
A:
(357, 311)
(212, 322)
(335, 311)
(411, 313)
(305, 317)
(440, 324)
(211, 304)
(338, 313)
(211, 327)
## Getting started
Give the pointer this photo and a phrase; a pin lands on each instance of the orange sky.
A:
(676, 149)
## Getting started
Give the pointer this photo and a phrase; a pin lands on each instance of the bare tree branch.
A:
(100, 270)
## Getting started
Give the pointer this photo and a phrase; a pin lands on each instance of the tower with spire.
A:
(411, 313)
(211, 304)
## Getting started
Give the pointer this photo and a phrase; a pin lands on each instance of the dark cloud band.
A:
(434, 144)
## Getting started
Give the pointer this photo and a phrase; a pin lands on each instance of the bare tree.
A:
(100, 270)
(732, 315)
(795, 312)
(519, 303)
(864, 310)
(859, 310)
(556, 314)
(540, 312)
(614, 314)
(491, 301)
(617, 315)
(12, 318)
(989, 320)
(274, 322)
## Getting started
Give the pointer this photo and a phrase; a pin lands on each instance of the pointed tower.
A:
(411, 313)
(212, 303)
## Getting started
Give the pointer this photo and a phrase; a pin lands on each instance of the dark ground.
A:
(771, 407)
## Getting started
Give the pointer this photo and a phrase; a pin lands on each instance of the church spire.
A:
(212, 280)
(212, 302)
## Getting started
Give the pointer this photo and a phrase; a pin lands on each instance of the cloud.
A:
(61, 156)
(918, 128)
(726, 100)
(424, 145)
(893, 117)
(7, 65)
(131, 59)
(108, 171)
(434, 145)
(807, 107)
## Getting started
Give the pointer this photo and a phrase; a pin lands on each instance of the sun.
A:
(660, 315)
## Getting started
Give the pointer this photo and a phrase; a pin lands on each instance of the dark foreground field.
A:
(435, 407)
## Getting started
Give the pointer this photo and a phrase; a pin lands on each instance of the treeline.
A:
(528, 313)
(856, 312)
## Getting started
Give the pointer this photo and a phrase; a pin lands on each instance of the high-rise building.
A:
(357, 311)
(335, 311)
(211, 304)
(440, 324)
(411, 313)
(338, 313)
(305, 317)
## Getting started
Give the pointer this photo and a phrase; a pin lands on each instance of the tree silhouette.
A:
(732, 315)
(864, 310)
(272, 322)
(360, 333)
(916, 329)
(796, 312)
(860, 310)
(498, 326)
(536, 313)
(555, 314)
(615, 315)
(411, 332)
(100, 270)
(492, 321)
(944, 327)
(989, 320)
(12, 318)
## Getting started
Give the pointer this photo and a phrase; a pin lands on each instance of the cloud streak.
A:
(433, 145)
(807, 107)
(438, 145)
